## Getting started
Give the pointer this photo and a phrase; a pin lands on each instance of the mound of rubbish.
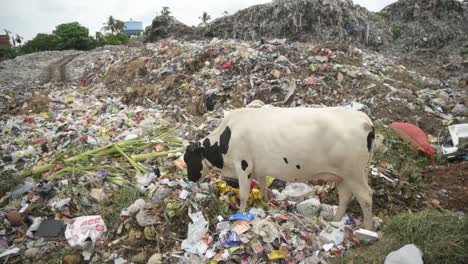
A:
(167, 26)
(319, 20)
(427, 23)
(404, 24)
(204, 76)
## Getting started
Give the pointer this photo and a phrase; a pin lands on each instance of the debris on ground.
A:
(409, 254)
(94, 170)
(458, 142)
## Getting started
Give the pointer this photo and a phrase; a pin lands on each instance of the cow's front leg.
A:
(243, 173)
(262, 183)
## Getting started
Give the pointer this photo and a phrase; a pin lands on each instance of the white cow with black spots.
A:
(293, 145)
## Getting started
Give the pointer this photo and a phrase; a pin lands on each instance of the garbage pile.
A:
(93, 170)
(93, 179)
(202, 76)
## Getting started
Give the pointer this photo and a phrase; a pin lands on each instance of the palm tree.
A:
(205, 18)
(114, 25)
(119, 26)
(110, 25)
(18, 39)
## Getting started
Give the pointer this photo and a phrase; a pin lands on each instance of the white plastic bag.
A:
(81, 228)
(196, 231)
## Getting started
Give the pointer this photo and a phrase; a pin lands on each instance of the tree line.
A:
(68, 36)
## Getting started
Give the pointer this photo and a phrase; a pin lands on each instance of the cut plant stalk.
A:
(137, 166)
(153, 155)
(135, 145)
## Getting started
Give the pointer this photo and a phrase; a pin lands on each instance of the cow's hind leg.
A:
(344, 195)
(363, 194)
(244, 185)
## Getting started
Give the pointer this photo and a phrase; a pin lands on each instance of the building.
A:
(4, 42)
(133, 28)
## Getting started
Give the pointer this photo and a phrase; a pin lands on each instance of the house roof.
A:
(4, 42)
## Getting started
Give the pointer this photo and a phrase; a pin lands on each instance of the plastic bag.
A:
(196, 231)
(415, 136)
(81, 228)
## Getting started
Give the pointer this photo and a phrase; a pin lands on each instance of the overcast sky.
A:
(29, 17)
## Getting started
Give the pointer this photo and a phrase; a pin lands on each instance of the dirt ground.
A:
(449, 185)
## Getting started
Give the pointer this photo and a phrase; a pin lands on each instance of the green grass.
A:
(383, 15)
(441, 237)
(404, 160)
(396, 30)
(123, 198)
(464, 50)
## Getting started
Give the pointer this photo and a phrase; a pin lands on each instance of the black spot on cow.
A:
(224, 140)
(213, 153)
(244, 165)
(193, 158)
(298, 166)
(370, 139)
(285, 160)
(249, 176)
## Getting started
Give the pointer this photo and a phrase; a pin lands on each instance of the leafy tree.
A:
(41, 42)
(9, 53)
(165, 11)
(111, 39)
(73, 36)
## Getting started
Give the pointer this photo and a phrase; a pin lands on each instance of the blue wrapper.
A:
(232, 240)
(246, 217)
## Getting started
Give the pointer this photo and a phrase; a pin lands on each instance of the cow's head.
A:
(199, 156)
(193, 157)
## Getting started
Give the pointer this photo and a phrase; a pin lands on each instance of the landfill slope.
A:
(401, 26)
(427, 24)
(201, 76)
(91, 143)
(304, 20)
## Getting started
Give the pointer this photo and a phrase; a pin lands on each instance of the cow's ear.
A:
(194, 147)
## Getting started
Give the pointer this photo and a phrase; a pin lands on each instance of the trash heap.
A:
(96, 180)
(202, 76)
(93, 170)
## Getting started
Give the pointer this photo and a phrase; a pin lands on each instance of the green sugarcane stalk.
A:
(5, 199)
(152, 155)
(137, 166)
(47, 167)
(109, 149)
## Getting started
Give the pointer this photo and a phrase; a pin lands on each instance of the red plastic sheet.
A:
(415, 136)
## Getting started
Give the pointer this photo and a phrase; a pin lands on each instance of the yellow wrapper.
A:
(224, 188)
(282, 253)
(269, 180)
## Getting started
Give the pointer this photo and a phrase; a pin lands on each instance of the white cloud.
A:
(29, 17)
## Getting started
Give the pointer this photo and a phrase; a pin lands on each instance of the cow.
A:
(297, 144)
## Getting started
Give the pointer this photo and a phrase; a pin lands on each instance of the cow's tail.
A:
(370, 148)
